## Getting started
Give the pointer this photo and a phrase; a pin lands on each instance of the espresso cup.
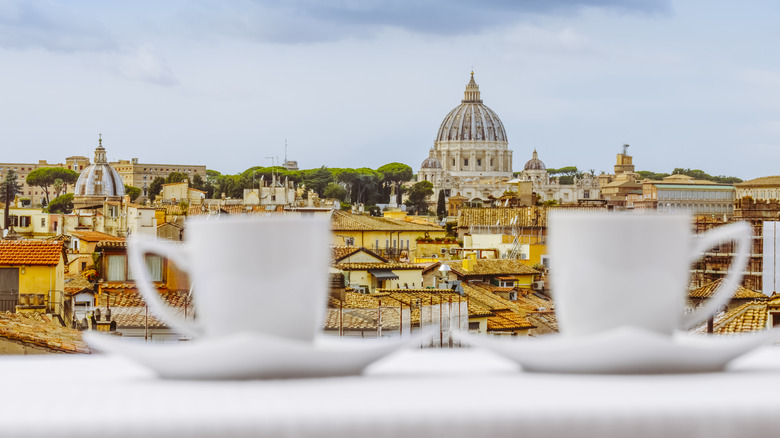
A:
(264, 275)
(633, 269)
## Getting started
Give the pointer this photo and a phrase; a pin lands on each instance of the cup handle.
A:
(137, 248)
(740, 233)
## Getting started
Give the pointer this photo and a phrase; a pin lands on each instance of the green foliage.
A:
(176, 177)
(335, 191)
(451, 228)
(155, 187)
(58, 186)
(198, 182)
(9, 188)
(568, 170)
(418, 196)
(317, 179)
(132, 192)
(394, 174)
(567, 174)
(97, 262)
(62, 204)
(441, 206)
(646, 174)
(700, 174)
(47, 176)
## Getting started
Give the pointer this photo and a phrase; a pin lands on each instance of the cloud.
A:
(144, 65)
(50, 26)
(91, 25)
(305, 21)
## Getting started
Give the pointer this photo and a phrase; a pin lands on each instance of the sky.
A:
(362, 83)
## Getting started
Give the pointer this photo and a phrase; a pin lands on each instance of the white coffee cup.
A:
(249, 274)
(633, 269)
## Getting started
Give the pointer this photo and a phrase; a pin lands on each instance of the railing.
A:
(9, 298)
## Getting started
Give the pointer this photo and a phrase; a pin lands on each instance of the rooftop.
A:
(496, 267)
(30, 252)
(343, 221)
(38, 330)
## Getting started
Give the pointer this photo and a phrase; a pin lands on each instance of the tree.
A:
(9, 188)
(175, 177)
(418, 196)
(395, 174)
(567, 174)
(155, 187)
(63, 204)
(58, 186)
(133, 192)
(46, 176)
(317, 179)
(335, 191)
(441, 207)
(198, 183)
(700, 174)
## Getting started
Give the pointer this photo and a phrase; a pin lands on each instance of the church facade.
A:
(470, 156)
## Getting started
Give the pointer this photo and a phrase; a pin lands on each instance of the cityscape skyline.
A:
(354, 86)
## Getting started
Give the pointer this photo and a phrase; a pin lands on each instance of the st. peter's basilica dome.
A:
(472, 120)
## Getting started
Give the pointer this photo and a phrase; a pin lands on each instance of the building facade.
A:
(34, 195)
(549, 189)
(141, 175)
(766, 188)
(471, 154)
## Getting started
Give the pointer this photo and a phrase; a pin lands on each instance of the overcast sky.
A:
(367, 82)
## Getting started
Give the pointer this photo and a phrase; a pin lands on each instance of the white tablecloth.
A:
(415, 393)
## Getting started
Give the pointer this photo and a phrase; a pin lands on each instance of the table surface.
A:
(412, 393)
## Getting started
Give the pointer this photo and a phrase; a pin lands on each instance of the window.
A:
(474, 325)
(586, 194)
(479, 161)
(453, 161)
(117, 268)
(43, 222)
(465, 161)
(24, 221)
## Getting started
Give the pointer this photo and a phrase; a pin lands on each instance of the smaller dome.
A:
(99, 180)
(431, 162)
(535, 163)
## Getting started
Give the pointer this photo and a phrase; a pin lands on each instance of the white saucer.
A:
(625, 350)
(251, 356)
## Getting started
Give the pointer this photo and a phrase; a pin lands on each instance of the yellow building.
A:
(389, 238)
(32, 276)
(502, 273)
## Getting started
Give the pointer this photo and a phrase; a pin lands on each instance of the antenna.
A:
(285, 151)
(625, 148)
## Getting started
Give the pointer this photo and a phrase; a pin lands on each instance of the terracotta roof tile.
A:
(494, 267)
(366, 266)
(38, 330)
(764, 181)
(30, 252)
(742, 293)
(343, 221)
(93, 236)
(535, 216)
(129, 310)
